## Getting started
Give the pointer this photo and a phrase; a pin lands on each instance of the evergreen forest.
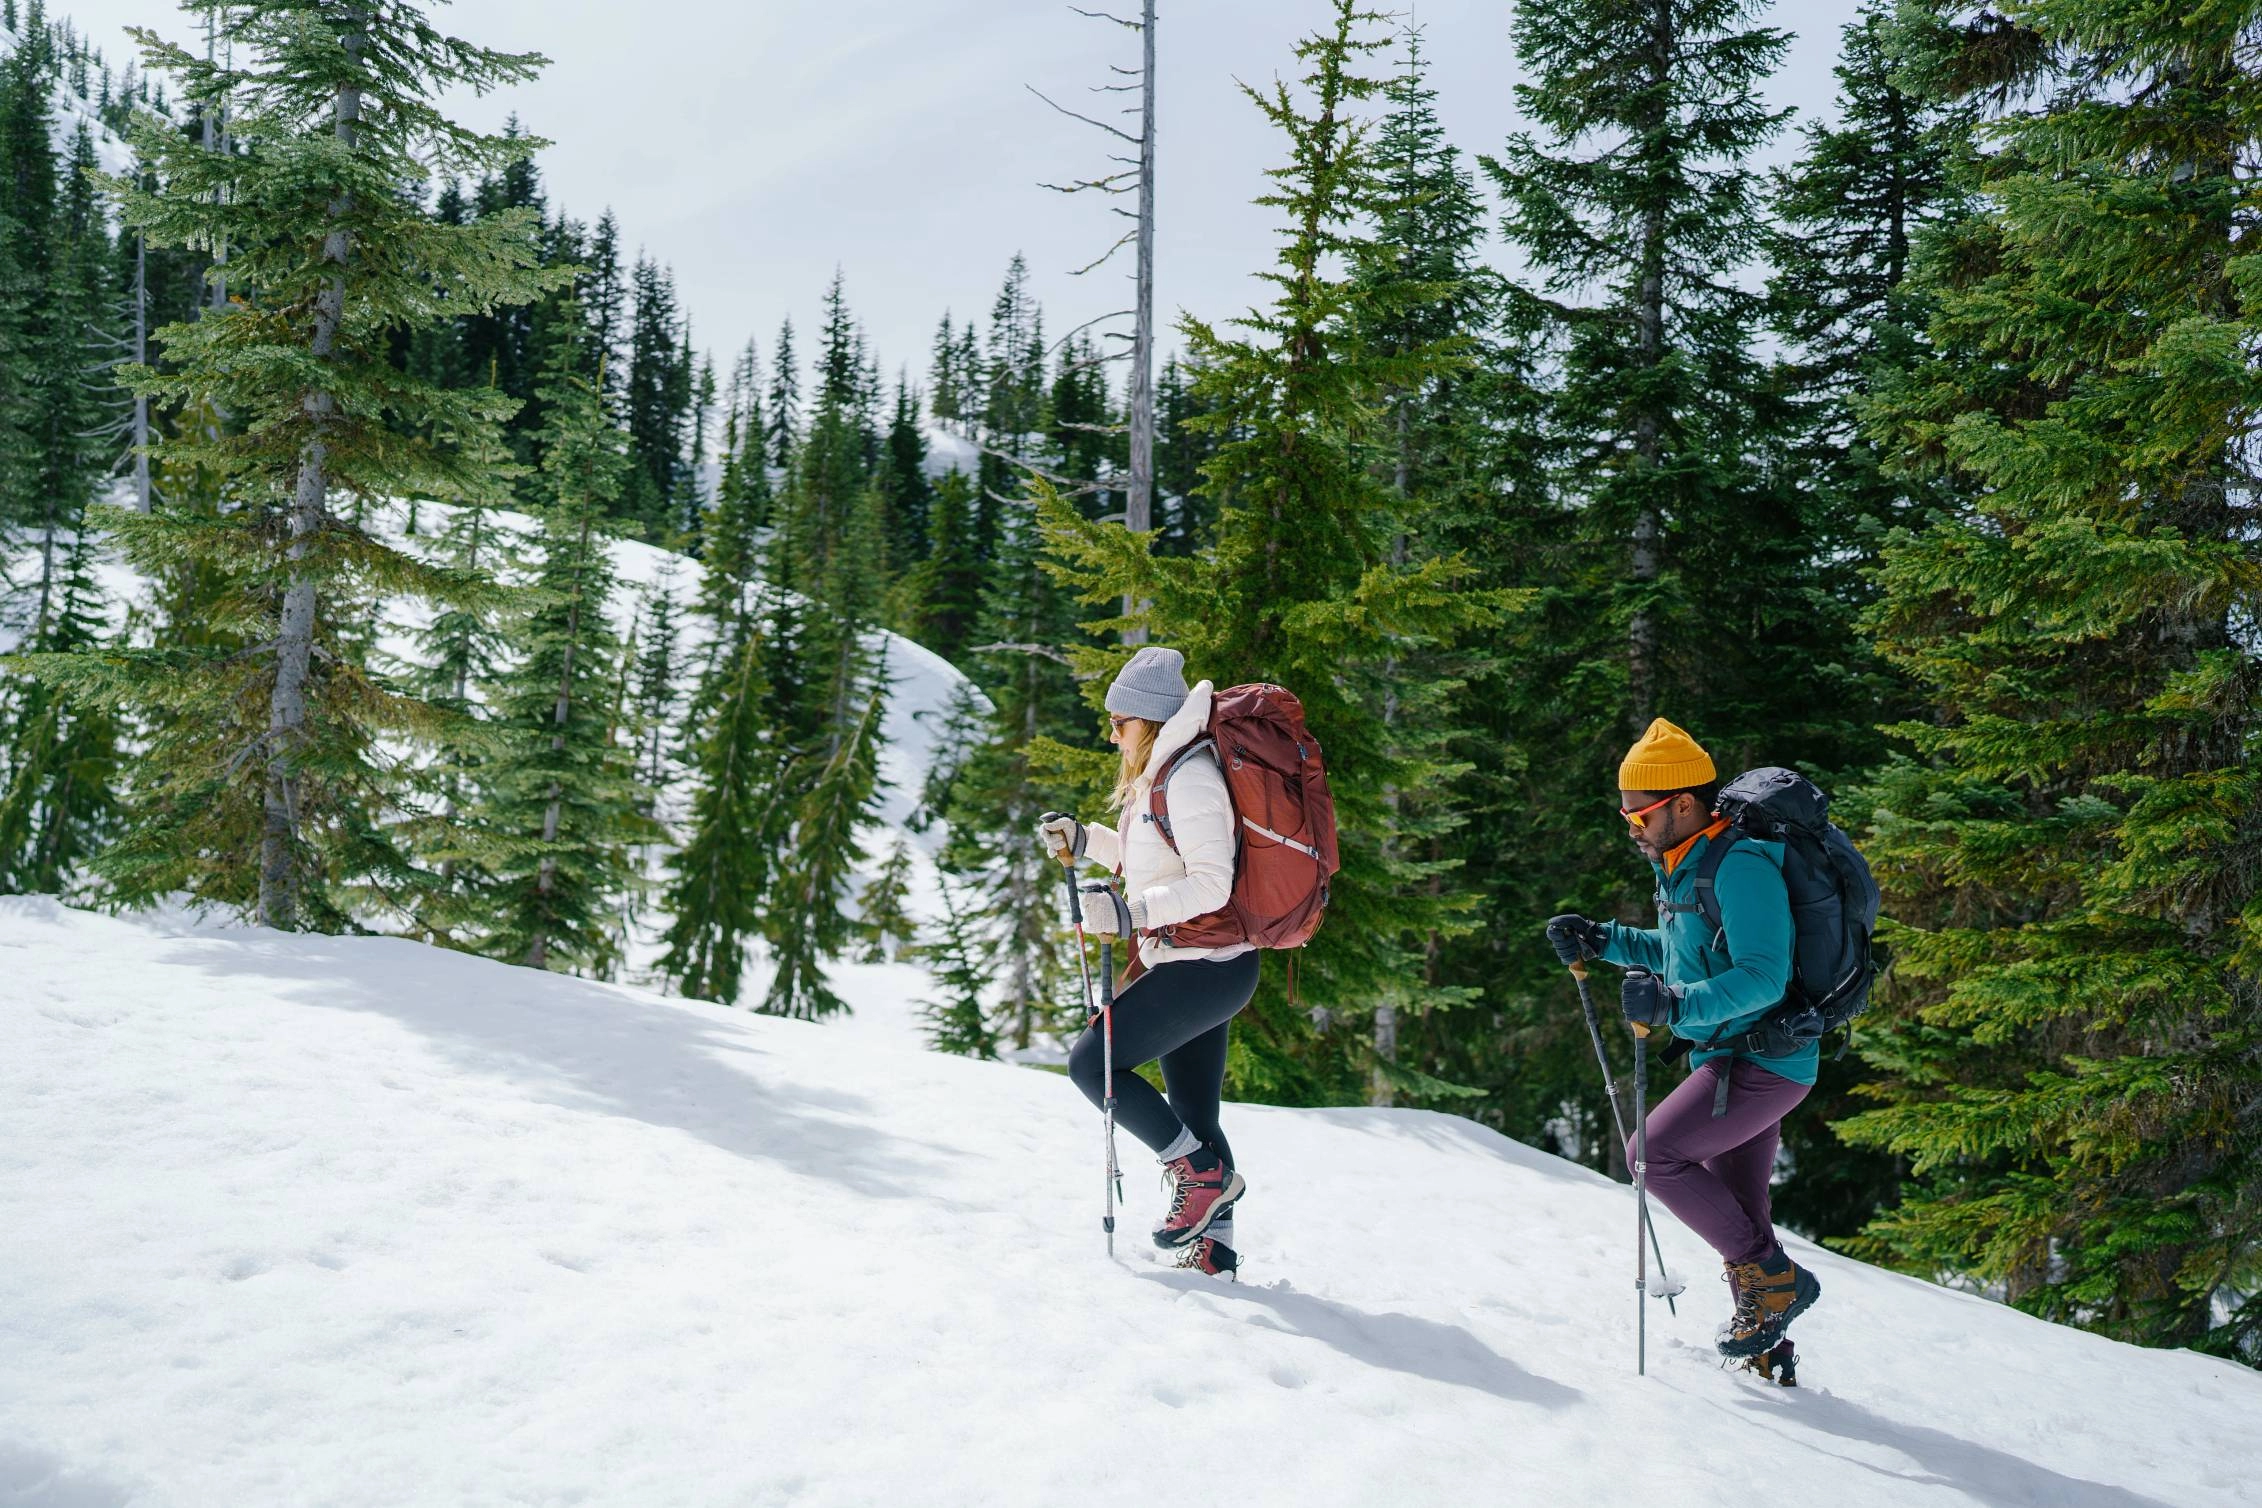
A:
(1905, 445)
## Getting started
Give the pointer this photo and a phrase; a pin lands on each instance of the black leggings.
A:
(1178, 1013)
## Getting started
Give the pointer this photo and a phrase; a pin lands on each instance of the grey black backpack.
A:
(1833, 906)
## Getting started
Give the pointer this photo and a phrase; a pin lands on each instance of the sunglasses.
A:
(1639, 818)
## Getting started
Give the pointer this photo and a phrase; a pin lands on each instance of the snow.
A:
(948, 451)
(342, 1221)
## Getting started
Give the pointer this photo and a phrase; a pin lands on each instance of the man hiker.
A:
(1180, 1007)
(1712, 1141)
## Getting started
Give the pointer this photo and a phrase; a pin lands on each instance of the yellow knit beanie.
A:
(1666, 759)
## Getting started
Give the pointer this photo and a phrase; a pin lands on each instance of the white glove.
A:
(1107, 915)
(1061, 834)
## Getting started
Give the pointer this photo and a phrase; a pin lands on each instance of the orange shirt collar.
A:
(1680, 851)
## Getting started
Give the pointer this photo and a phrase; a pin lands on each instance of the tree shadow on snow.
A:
(1395, 1342)
(582, 1044)
(1981, 1472)
(35, 1479)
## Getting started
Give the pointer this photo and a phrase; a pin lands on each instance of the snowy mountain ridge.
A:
(298, 1220)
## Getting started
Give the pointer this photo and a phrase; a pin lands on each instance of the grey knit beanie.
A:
(1152, 686)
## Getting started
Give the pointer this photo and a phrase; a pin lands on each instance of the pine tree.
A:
(653, 410)
(1004, 784)
(565, 792)
(783, 436)
(275, 798)
(460, 653)
(604, 293)
(1434, 306)
(498, 343)
(1184, 512)
(1676, 569)
(656, 688)
(835, 782)
(691, 499)
(1012, 400)
(829, 685)
(942, 595)
(60, 762)
(946, 383)
(906, 499)
(2071, 1057)
(956, 956)
(1302, 588)
(720, 877)
(65, 756)
(739, 742)
(1850, 212)
(889, 931)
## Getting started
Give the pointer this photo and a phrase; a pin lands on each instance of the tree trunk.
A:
(1138, 506)
(294, 640)
(1380, 1091)
(1644, 561)
(142, 498)
(546, 870)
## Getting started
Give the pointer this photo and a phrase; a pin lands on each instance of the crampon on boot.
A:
(1779, 1365)
(1202, 1254)
(1769, 1295)
(1198, 1196)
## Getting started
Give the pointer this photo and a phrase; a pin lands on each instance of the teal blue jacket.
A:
(1726, 990)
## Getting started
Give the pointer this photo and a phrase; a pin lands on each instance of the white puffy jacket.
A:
(1196, 878)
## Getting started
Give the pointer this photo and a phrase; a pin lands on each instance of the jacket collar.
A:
(1681, 850)
(1189, 723)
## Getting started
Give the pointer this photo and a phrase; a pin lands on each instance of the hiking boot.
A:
(1203, 1254)
(1769, 1295)
(1197, 1196)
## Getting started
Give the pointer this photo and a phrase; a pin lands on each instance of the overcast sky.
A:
(756, 146)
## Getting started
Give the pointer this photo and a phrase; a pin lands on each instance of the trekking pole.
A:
(1107, 1067)
(1641, 1201)
(1617, 1117)
(1107, 1037)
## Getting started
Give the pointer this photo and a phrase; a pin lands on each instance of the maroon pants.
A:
(1712, 1171)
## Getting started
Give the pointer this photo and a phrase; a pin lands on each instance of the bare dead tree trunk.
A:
(1138, 507)
(294, 641)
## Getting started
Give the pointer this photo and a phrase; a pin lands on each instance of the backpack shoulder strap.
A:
(1158, 795)
(1707, 876)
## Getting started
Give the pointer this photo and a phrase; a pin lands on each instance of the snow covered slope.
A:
(304, 1221)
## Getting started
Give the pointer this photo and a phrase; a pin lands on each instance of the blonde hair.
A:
(1137, 741)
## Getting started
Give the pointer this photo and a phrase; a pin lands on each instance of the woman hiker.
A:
(1712, 1140)
(1179, 1009)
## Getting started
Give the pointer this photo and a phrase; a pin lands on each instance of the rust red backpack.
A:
(1284, 821)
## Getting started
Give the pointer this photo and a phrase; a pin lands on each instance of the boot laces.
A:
(1180, 1187)
(1746, 1290)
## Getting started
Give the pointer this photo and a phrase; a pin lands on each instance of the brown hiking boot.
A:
(1769, 1295)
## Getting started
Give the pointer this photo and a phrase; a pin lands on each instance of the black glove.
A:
(1647, 1002)
(1575, 938)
